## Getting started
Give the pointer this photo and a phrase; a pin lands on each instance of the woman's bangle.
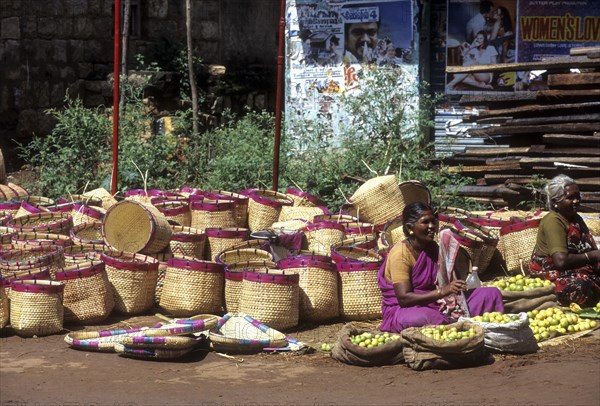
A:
(588, 258)
(439, 292)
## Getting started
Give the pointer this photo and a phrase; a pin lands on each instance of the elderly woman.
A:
(418, 281)
(565, 251)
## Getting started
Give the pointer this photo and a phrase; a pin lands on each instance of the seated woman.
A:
(479, 52)
(565, 251)
(417, 278)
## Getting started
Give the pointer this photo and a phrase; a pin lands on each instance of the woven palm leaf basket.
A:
(320, 236)
(516, 244)
(220, 239)
(288, 213)
(354, 254)
(133, 280)
(318, 288)
(44, 256)
(143, 196)
(490, 240)
(470, 242)
(378, 200)
(48, 222)
(5, 217)
(303, 199)
(163, 354)
(368, 242)
(134, 227)
(163, 263)
(176, 211)
(359, 293)
(357, 229)
(240, 333)
(4, 309)
(338, 218)
(94, 201)
(30, 239)
(28, 208)
(234, 277)
(240, 202)
(87, 233)
(212, 214)
(86, 214)
(88, 296)
(592, 220)
(392, 234)
(187, 241)
(36, 307)
(192, 286)
(36, 273)
(447, 216)
(83, 252)
(102, 194)
(231, 256)
(9, 208)
(271, 297)
(264, 208)
(414, 191)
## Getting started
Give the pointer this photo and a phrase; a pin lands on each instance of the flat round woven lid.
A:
(414, 191)
(127, 226)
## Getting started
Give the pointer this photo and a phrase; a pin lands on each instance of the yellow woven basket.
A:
(36, 307)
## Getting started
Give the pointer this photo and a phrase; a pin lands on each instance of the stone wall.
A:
(51, 47)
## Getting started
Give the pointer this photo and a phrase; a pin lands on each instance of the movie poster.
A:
(327, 42)
(481, 32)
(551, 27)
(508, 31)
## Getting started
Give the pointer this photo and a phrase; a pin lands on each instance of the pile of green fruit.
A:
(444, 333)
(496, 317)
(370, 340)
(326, 346)
(554, 322)
(520, 283)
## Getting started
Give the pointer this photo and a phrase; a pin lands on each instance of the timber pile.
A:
(538, 133)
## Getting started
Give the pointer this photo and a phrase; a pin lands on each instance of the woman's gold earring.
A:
(410, 232)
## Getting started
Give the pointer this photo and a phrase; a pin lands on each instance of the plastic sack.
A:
(514, 337)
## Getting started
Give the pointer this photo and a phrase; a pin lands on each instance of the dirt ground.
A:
(46, 371)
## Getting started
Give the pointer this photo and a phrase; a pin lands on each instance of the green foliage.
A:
(385, 131)
(536, 187)
(74, 153)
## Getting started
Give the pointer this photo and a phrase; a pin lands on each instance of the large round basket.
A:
(83, 252)
(6, 235)
(517, 243)
(392, 233)
(134, 227)
(318, 288)
(192, 286)
(354, 254)
(31, 239)
(241, 205)
(4, 309)
(49, 222)
(359, 293)
(232, 256)
(368, 242)
(5, 217)
(447, 216)
(87, 233)
(28, 208)
(234, 276)
(240, 333)
(414, 191)
(44, 256)
(88, 296)
(470, 242)
(271, 297)
(163, 263)
(264, 208)
(81, 199)
(86, 214)
(320, 236)
(176, 211)
(187, 241)
(221, 239)
(378, 200)
(143, 196)
(338, 218)
(36, 307)
(213, 214)
(133, 279)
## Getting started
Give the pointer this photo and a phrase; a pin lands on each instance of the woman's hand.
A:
(455, 287)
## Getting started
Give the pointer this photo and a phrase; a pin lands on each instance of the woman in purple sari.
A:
(418, 281)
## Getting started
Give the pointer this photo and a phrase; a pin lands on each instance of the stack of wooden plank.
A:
(539, 134)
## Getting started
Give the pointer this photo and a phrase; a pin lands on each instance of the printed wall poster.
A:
(327, 42)
(481, 32)
(551, 27)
